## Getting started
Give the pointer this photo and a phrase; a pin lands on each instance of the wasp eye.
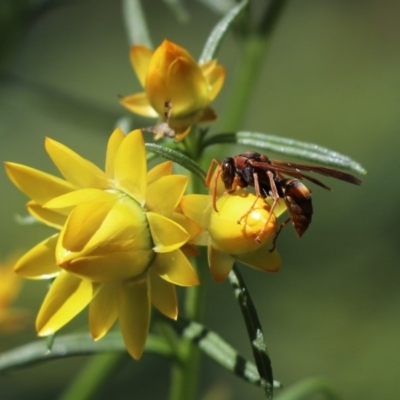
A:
(228, 172)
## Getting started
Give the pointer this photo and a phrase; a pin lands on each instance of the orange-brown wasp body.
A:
(268, 179)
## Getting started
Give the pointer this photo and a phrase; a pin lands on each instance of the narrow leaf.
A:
(308, 388)
(65, 346)
(254, 330)
(179, 9)
(290, 147)
(135, 23)
(177, 157)
(219, 31)
(219, 6)
(218, 350)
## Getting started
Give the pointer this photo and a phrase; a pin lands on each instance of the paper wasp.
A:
(268, 179)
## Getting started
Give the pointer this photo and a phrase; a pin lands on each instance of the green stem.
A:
(246, 77)
(90, 379)
(192, 145)
(185, 370)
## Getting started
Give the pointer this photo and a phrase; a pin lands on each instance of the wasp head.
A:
(228, 172)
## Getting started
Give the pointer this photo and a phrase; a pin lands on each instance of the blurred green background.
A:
(331, 76)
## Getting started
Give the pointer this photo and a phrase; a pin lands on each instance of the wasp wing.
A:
(331, 172)
(287, 171)
(295, 170)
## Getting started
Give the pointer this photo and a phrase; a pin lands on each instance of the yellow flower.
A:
(120, 245)
(171, 74)
(11, 319)
(228, 240)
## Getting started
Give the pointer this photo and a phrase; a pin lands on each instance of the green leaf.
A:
(308, 388)
(178, 157)
(179, 9)
(72, 345)
(135, 23)
(218, 33)
(219, 6)
(81, 344)
(254, 331)
(290, 147)
(217, 349)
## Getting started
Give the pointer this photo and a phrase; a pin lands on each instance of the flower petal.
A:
(173, 74)
(140, 58)
(105, 242)
(139, 104)
(118, 225)
(208, 67)
(220, 263)
(10, 283)
(207, 115)
(77, 170)
(67, 297)
(163, 296)
(103, 310)
(159, 171)
(55, 219)
(40, 261)
(130, 166)
(215, 79)
(190, 226)
(197, 207)
(134, 315)
(80, 196)
(114, 142)
(37, 185)
(182, 131)
(262, 259)
(82, 222)
(183, 83)
(187, 87)
(174, 267)
(107, 267)
(167, 235)
(157, 199)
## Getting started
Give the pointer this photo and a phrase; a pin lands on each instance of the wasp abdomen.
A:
(298, 200)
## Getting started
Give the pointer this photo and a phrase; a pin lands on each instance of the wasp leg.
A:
(275, 197)
(283, 224)
(248, 212)
(258, 195)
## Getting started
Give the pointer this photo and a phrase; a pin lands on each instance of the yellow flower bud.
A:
(239, 226)
(171, 74)
(113, 243)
